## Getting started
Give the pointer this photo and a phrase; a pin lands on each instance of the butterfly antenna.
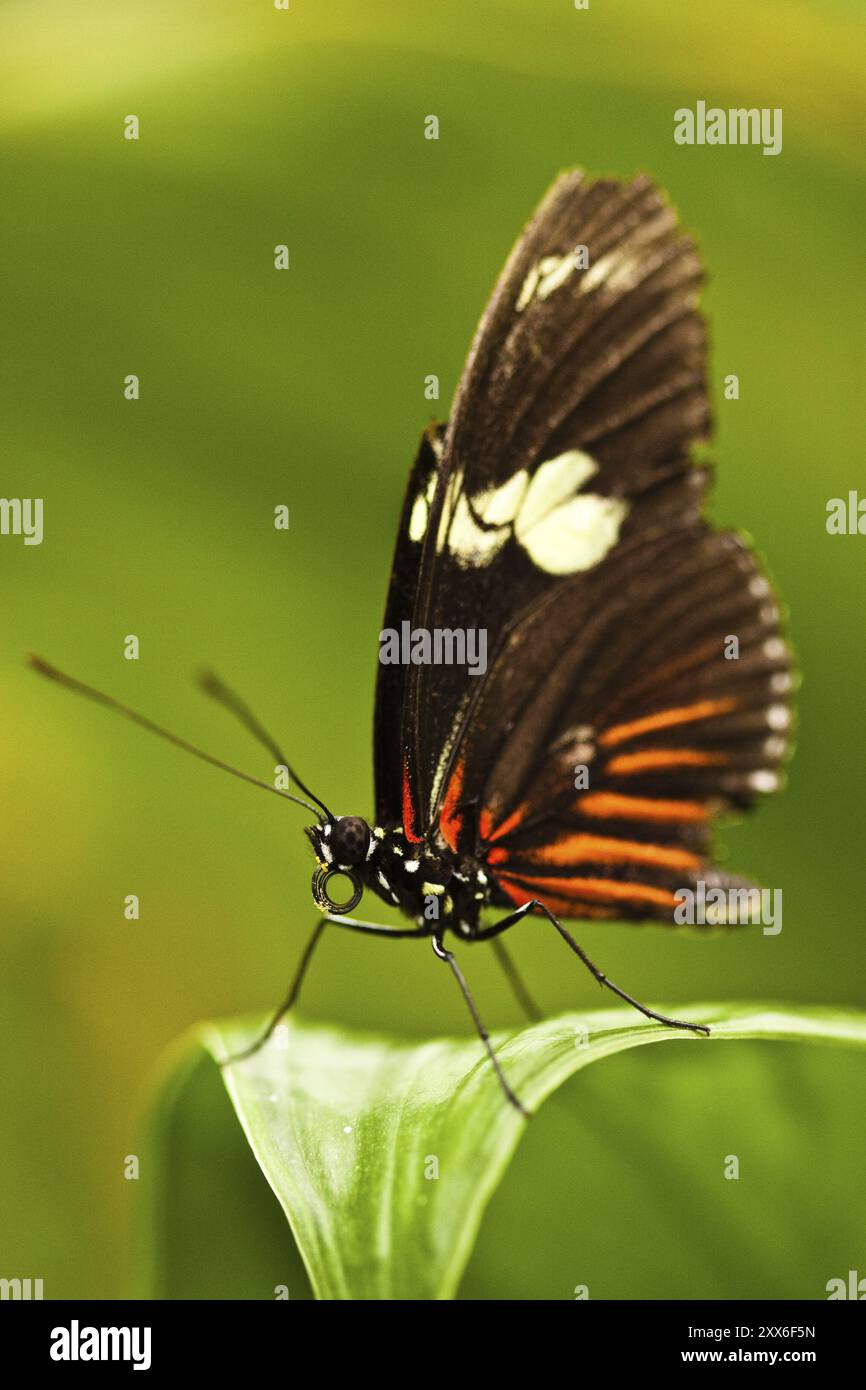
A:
(51, 672)
(211, 684)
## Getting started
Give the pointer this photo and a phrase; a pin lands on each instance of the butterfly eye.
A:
(321, 878)
(349, 840)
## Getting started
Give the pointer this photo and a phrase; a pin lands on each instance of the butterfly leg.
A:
(518, 988)
(372, 928)
(288, 1003)
(292, 997)
(489, 932)
(476, 1019)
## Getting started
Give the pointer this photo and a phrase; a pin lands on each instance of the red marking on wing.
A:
(560, 907)
(489, 830)
(450, 821)
(408, 808)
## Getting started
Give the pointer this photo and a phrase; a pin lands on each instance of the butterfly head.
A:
(340, 845)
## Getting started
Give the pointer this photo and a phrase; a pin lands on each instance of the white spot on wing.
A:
(763, 781)
(544, 277)
(473, 544)
(562, 532)
(778, 716)
(418, 519)
(555, 270)
(555, 482)
(618, 270)
(421, 510)
(498, 505)
(576, 535)
(774, 648)
(527, 290)
(561, 529)
(455, 488)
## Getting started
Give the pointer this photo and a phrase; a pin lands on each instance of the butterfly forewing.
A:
(402, 591)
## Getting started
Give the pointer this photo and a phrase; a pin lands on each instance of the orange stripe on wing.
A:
(611, 806)
(626, 763)
(560, 907)
(665, 719)
(486, 823)
(450, 823)
(598, 849)
(597, 889)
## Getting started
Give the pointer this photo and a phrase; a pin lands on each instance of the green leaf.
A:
(384, 1154)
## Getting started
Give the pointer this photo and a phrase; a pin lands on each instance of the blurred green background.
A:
(155, 257)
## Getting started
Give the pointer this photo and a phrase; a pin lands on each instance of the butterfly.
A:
(635, 681)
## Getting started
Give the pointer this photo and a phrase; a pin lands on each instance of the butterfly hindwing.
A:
(602, 789)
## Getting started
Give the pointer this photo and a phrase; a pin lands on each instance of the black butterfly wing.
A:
(582, 392)
(402, 592)
(564, 518)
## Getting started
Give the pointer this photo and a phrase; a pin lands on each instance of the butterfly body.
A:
(634, 682)
(437, 889)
